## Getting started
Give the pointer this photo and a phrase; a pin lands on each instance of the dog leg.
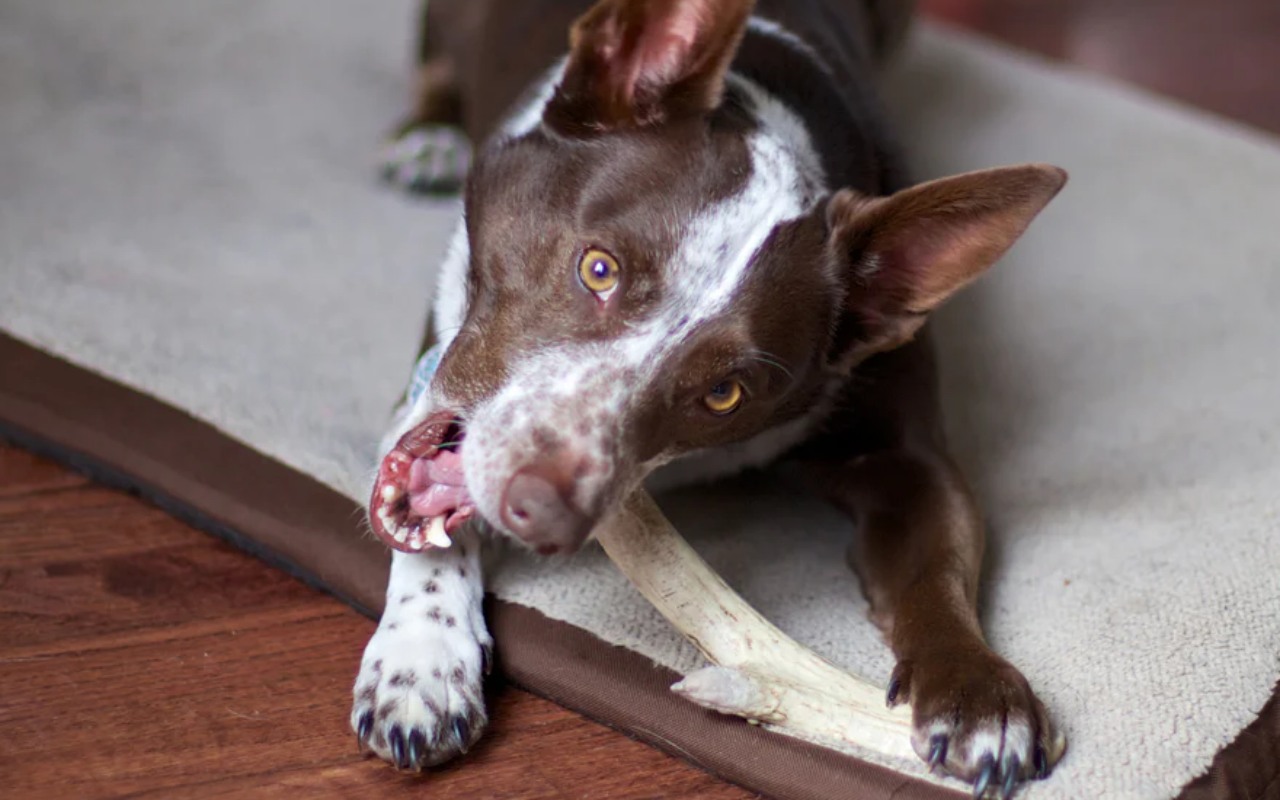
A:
(428, 152)
(419, 697)
(883, 460)
(919, 555)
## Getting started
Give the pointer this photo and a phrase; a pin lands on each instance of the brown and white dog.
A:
(688, 244)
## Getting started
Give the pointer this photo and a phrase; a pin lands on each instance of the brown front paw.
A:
(975, 717)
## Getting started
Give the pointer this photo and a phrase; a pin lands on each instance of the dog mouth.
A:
(420, 495)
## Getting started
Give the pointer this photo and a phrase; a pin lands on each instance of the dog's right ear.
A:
(634, 63)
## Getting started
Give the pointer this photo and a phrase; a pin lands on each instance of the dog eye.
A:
(599, 272)
(724, 397)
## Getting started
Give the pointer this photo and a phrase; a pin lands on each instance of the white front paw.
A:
(419, 697)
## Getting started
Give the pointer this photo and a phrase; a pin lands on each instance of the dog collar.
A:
(423, 372)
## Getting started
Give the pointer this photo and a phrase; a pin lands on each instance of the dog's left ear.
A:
(639, 62)
(906, 253)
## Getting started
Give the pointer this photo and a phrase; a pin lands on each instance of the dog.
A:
(689, 247)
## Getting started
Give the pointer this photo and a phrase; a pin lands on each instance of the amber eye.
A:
(724, 397)
(599, 272)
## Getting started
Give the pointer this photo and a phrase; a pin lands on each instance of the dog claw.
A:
(1011, 772)
(937, 749)
(987, 770)
(365, 728)
(486, 659)
(417, 749)
(462, 729)
(1041, 761)
(396, 740)
(891, 696)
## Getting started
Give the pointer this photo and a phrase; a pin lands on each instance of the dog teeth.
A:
(400, 535)
(390, 493)
(436, 534)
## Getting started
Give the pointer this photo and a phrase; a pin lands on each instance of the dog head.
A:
(655, 266)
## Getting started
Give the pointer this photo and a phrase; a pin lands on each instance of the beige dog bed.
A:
(206, 295)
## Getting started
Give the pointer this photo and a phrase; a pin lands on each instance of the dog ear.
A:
(638, 62)
(908, 252)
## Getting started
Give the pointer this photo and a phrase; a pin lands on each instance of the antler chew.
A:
(758, 672)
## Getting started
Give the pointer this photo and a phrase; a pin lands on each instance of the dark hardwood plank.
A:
(26, 474)
(83, 561)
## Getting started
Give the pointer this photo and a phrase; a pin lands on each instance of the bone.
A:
(757, 672)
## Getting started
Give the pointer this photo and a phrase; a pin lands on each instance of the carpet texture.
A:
(187, 207)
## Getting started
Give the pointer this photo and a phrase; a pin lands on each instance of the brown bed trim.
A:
(132, 440)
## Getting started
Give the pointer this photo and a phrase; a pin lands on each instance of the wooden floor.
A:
(140, 657)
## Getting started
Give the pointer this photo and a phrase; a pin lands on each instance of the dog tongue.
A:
(445, 467)
(436, 484)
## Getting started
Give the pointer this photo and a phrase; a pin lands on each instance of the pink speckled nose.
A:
(538, 506)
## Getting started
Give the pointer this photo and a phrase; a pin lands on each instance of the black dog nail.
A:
(891, 697)
(937, 749)
(462, 729)
(1041, 761)
(364, 729)
(398, 754)
(417, 748)
(987, 770)
(1011, 771)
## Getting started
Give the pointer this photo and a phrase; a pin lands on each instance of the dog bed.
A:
(205, 296)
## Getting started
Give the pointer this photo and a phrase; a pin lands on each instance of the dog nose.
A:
(538, 507)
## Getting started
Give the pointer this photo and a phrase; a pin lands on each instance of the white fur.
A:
(1001, 739)
(565, 394)
(528, 114)
(985, 740)
(786, 180)
(451, 287)
(424, 663)
(1019, 740)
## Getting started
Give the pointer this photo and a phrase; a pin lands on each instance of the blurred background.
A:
(1219, 55)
